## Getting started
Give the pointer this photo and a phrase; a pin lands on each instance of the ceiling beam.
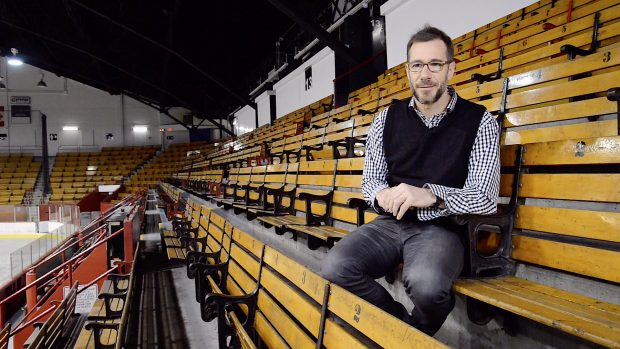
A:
(297, 15)
(181, 100)
(226, 88)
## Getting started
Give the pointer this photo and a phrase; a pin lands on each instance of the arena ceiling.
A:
(203, 55)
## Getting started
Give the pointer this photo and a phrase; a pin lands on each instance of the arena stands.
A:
(18, 174)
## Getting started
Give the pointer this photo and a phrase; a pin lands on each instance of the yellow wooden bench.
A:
(107, 319)
(263, 297)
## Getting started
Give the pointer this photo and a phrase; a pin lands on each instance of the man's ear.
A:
(451, 69)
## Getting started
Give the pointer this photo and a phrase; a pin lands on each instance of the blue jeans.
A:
(432, 257)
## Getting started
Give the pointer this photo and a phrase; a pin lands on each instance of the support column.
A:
(31, 293)
(45, 155)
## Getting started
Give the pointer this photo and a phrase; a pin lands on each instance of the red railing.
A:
(64, 271)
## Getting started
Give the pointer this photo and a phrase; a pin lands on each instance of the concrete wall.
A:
(290, 90)
(69, 103)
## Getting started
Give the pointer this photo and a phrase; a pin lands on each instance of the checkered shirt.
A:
(480, 192)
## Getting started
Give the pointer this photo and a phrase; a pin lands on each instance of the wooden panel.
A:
(602, 150)
(299, 307)
(322, 165)
(581, 316)
(598, 263)
(323, 180)
(548, 134)
(268, 334)
(248, 242)
(311, 283)
(294, 336)
(350, 181)
(588, 187)
(588, 224)
(379, 326)
(594, 84)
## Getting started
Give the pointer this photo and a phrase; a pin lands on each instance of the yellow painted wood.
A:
(510, 299)
(602, 150)
(244, 338)
(594, 262)
(322, 165)
(309, 282)
(294, 336)
(594, 84)
(306, 313)
(585, 187)
(379, 326)
(582, 223)
(608, 308)
(337, 337)
(605, 128)
(247, 241)
(350, 181)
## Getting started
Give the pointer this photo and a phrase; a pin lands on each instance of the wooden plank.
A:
(381, 327)
(605, 128)
(602, 150)
(598, 225)
(529, 307)
(584, 187)
(589, 261)
(311, 283)
(302, 309)
(294, 336)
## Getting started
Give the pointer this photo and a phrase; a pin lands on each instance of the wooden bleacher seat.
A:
(57, 326)
(5, 336)
(257, 292)
(108, 316)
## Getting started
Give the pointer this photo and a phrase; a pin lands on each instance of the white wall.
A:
(404, 17)
(70, 103)
(264, 108)
(246, 120)
(290, 92)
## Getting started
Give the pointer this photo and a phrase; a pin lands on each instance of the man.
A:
(427, 159)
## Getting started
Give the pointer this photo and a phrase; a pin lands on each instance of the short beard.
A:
(442, 89)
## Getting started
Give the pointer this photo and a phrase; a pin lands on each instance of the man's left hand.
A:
(404, 196)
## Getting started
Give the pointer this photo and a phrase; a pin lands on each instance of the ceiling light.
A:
(69, 128)
(42, 83)
(140, 129)
(15, 60)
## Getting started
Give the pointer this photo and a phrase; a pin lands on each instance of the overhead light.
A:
(15, 60)
(69, 128)
(140, 129)
(42, 83)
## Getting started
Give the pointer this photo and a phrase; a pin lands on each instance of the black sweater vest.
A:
(416, 154)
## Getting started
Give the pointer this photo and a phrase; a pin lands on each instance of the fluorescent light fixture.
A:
(140, 129)
(14, 60)
(69, 128)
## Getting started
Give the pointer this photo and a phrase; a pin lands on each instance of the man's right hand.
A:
(382, 199)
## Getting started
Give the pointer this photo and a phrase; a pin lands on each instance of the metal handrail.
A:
(59, 267)
(106, 215)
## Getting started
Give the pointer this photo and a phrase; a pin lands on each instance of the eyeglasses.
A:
(433, 67)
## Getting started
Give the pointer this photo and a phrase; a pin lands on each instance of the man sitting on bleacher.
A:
(427, 160)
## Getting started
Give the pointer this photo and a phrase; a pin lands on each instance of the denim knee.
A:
(338, 269)
(427, 290)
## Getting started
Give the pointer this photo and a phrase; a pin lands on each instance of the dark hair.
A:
(429, 33)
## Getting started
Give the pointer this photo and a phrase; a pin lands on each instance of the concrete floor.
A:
(199, 333)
